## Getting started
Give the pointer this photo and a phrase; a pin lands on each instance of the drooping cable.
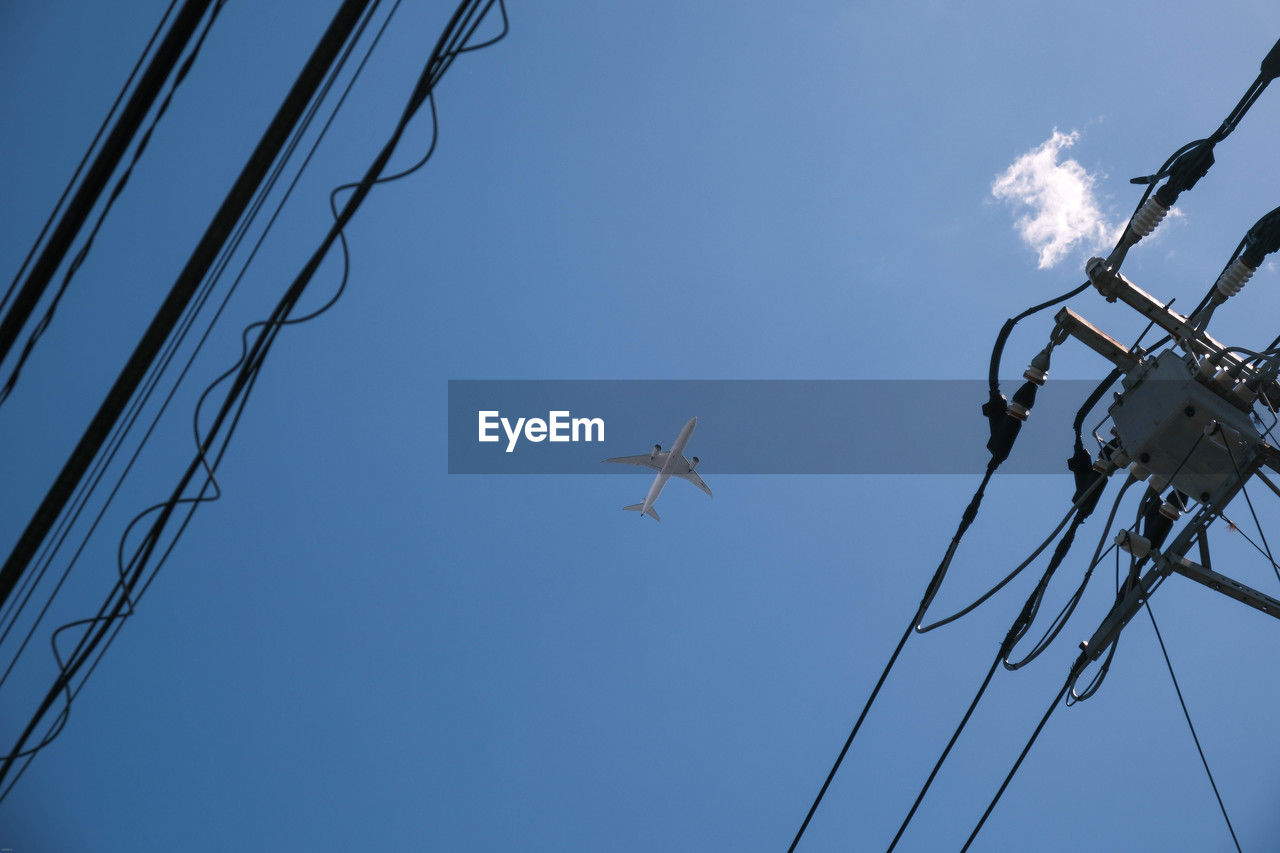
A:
(176, 302)
(84, 160)
(462, 26)
(1015, 633)
(1064, 615)
(1072, 516)
(295, 102)
(38, 331)
(210, 284)
(28, 294)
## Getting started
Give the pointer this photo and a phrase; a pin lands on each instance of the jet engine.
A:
(693, 463)
(657, 448)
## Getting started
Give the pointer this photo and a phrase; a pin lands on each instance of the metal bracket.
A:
(1173, 559)
(1225, 585)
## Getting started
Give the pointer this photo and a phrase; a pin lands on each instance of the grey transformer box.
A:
(1183, 431)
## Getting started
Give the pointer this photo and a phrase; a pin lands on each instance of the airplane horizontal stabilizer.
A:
(652, 513)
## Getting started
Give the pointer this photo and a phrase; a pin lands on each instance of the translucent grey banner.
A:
(754, 426)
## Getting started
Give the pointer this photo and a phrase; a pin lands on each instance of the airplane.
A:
(668, 463)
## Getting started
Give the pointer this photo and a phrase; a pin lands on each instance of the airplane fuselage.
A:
(673, 458)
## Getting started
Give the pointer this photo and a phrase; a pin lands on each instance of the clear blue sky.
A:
(355, 650)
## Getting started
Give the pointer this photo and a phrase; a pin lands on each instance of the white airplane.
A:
(668, 464)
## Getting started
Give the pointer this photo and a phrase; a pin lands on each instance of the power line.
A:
(453, 42)
(136, 407)
(1190, 725)
(80, 256)
(95, 179)
(180, 295)
(84, 159)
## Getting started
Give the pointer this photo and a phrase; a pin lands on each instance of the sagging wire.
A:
(84, 160)
(172, 346)
(463, 25)
(38, 331)
(465, 21)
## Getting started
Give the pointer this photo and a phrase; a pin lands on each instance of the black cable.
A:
(1016, 632)
(1190, 725)
(1064, 615)
(1071, 517)
(38, 331)
(1096, 682)
(456, 35)
(1226, 441)
(875, 691)
(75, 176)
(207, 289)
(924, 789)
(1026, 749)
(318, 67)
(179, 296)
(1092, 400)
(930, 592)
(997, 351)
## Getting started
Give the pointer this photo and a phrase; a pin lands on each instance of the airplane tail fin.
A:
(652, 513)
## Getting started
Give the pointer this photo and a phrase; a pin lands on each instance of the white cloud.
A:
(1063, 213)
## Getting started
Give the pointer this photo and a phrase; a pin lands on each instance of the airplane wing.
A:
(692, 477)
(644, 460)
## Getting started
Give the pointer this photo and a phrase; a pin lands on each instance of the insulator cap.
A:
(1135, 544)
(1233, 278)
(1148, 217)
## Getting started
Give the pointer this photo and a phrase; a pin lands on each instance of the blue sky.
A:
(354, 649)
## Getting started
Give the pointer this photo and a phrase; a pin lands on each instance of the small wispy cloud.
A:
(1062, 212)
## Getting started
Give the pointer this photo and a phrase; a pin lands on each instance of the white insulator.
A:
(1137, 545)
(1170, 510)
(1233, 278)
(1148, 217)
